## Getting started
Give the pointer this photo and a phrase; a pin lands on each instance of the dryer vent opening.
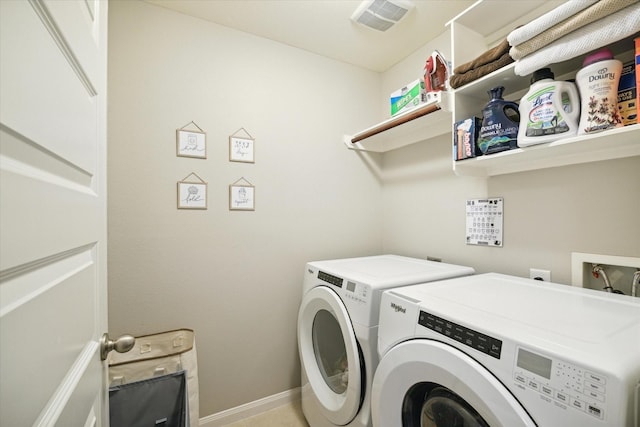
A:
(381, 15)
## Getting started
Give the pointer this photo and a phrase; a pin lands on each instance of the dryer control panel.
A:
(331, 279)
(563, 384)
(350, 290)
(356, 292)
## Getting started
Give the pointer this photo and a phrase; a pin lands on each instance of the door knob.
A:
(121, 345)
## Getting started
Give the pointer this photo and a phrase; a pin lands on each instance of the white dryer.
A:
(500, 351)
(337, 330)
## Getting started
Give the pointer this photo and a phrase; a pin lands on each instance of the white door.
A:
(52, 212)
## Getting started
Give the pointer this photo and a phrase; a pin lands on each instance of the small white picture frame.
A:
(241, 197)
(192, 195)
(191, 143)
(241, 149)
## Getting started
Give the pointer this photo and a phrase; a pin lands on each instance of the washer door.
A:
(330, 354)
(425, 383)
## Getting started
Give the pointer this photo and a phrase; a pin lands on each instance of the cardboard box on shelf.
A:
(638, 74)
(465, 135)
(406, 98)
(627, 94)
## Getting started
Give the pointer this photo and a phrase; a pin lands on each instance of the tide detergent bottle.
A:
(549, 110)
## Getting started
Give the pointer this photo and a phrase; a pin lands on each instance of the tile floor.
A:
(289, 415)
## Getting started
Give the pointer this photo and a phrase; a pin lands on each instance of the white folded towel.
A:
(548, 20)
(603, 32)
(596, 12)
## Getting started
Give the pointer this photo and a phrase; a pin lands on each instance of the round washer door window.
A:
(330, 356)
(440, 408)
(330, 351)
(428, 383)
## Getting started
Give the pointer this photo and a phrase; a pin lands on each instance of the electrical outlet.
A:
(537, 274)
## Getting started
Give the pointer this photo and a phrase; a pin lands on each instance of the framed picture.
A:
(241, 149)
(191, 143)
(192, 194)
(241, 197)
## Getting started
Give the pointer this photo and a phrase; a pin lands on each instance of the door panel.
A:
(81, 407)
(60, 117)
(40, 335)
(53, 212)
(44, 213)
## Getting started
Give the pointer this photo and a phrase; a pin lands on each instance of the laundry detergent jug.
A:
(549, 110)
(500, 118)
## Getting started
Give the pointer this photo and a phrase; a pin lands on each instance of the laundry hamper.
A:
(158, 375)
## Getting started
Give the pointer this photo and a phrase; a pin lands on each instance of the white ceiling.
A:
(324, 26)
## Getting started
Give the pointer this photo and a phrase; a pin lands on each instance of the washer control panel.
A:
(467, 336)
(564, 384)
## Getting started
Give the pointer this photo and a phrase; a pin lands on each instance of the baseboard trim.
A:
(250, 409)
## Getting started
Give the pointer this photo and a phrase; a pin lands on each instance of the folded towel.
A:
(486, 58)
(586, 16)
(548, 20)
(603, 32)
(458, 80)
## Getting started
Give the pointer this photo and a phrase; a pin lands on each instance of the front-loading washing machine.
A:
(501, 351)
(337, 330)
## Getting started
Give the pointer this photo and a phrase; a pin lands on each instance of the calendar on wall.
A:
(484, 221)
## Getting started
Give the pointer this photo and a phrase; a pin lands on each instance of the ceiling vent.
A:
(381, 14)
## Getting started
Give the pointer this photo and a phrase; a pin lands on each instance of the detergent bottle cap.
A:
(541, 74)
(599, 55)
(496, 92)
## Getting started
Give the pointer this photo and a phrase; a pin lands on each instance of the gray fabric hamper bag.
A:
(158, 401)
(156, 355)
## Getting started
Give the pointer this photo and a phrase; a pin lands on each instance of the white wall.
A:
(233, 277)
(548, 213)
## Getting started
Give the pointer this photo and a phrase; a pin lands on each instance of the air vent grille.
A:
(388, 10)
(381, 14)
(371, 20)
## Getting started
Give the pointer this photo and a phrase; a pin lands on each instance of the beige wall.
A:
(234, 277)
(548, 213)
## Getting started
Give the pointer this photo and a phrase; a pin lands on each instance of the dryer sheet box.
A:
(465, 136)
(406, 98)
(627, 94)
(637, 41)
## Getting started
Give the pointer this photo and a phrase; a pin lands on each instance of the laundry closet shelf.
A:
(422, 123)
(612, 144)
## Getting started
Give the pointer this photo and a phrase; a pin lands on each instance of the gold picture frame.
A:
(191, 143)
(192, 194)
(241, 148)
(242, 197)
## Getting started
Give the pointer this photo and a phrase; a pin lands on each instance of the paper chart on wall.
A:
(484, 224)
